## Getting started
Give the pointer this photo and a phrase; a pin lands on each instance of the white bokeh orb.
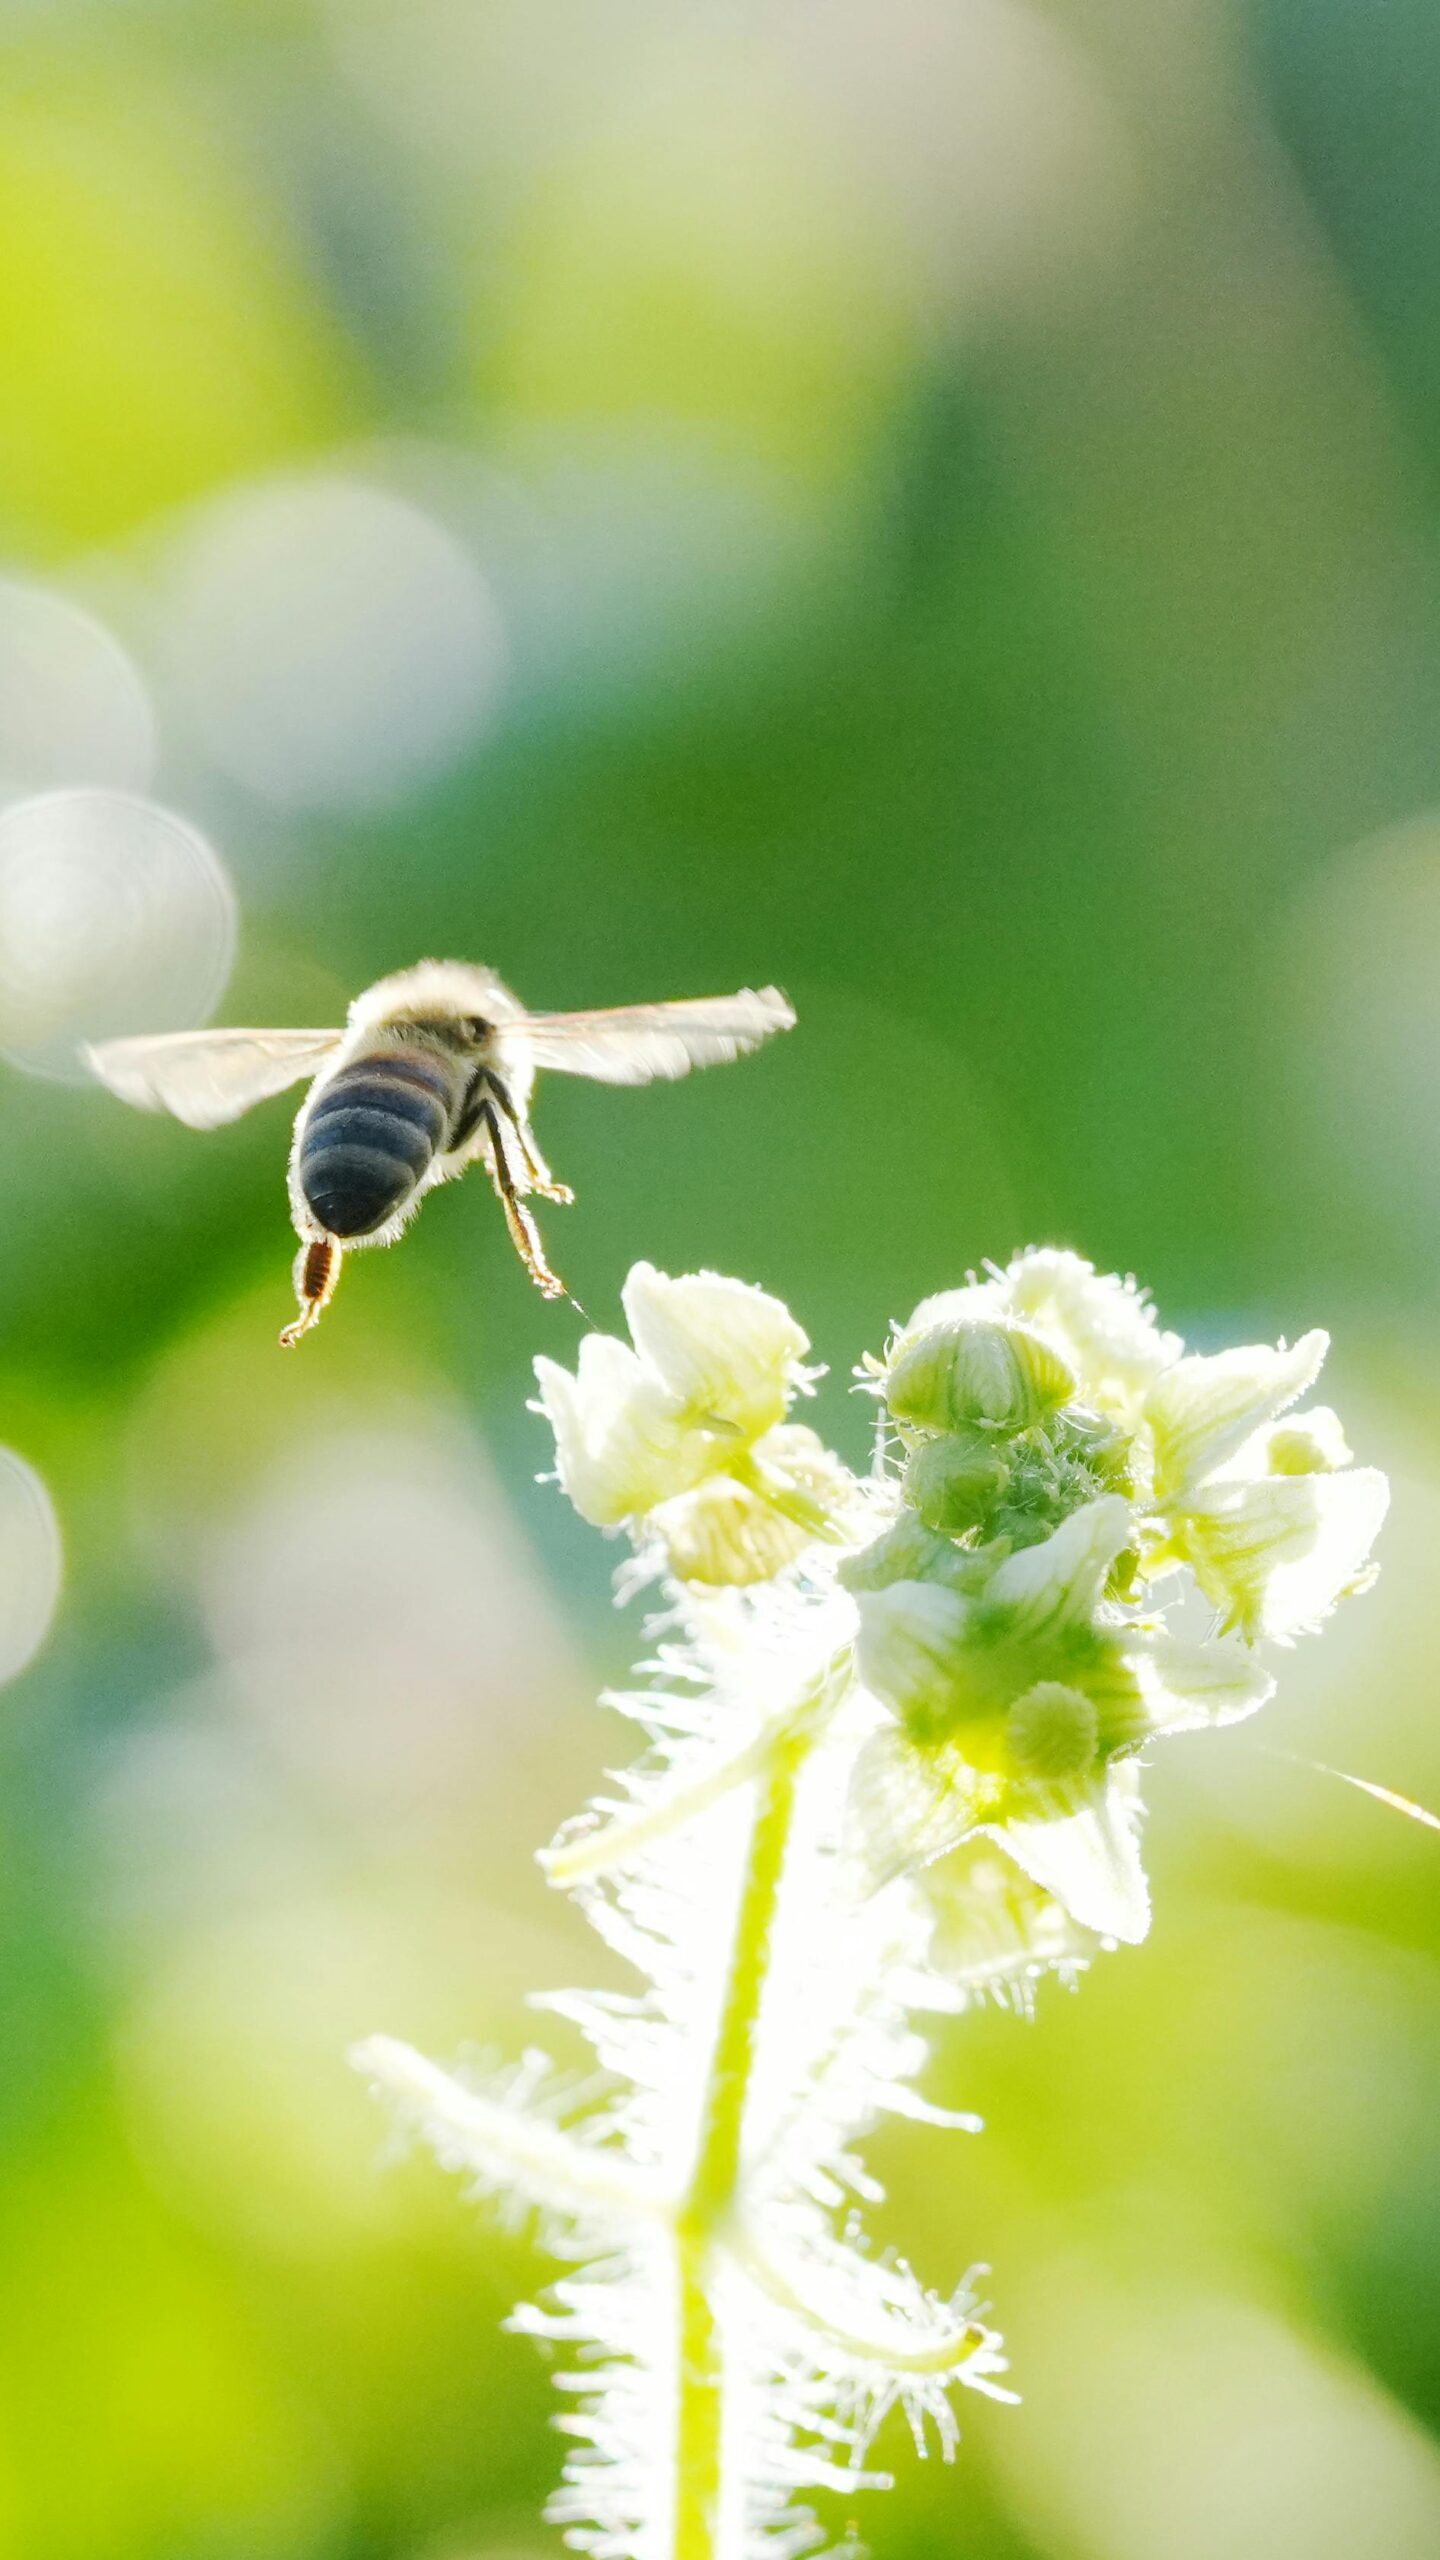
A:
(337, 647)
(30, 1564)
(73, 706)
(115, 916)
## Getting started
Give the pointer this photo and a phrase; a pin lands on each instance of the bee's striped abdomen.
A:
(371, 1136)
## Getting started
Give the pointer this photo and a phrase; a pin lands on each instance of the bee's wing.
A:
(207, 1077)
(635, 1043)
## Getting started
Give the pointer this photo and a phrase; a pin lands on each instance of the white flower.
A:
(621, 1442)
(911, 1805)
(714, 1368)
(1020, 1707)
(1271, 1518)
(954, 1713)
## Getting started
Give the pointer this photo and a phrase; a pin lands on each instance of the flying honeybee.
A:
(433, 1070)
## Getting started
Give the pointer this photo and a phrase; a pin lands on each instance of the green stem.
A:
(714, 2184)
(619, 1842)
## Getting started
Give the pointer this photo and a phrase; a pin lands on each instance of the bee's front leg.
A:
(524, 1234)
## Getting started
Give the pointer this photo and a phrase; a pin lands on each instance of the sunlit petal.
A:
(1088, 1856)
(1045, 1589)
(725, 1351)
(1203, 1410)
(1186, 1683)
(1277, 1553)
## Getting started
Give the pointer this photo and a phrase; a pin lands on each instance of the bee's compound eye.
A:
(477, 1028)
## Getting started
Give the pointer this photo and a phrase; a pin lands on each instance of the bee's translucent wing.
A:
(636, 1043)
(207, 1077)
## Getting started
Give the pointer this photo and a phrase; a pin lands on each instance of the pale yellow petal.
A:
(1086, 1854)
(1203, 1410)
(727, 1352)
(1045, 1589)
(1277, 1553)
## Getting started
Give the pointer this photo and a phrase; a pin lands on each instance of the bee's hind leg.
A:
(317, 1276)
(524, 1234)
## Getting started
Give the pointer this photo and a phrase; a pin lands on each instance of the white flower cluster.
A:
(1070, 1477)
(896, 1729)
(686, 1436)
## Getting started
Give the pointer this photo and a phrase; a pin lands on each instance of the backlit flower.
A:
(684, 1438)
(1067, 1471)
(1272, 1519)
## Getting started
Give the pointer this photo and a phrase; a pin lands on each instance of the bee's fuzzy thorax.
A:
(444, 988)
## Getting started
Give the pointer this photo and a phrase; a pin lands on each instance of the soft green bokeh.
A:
(957, 483)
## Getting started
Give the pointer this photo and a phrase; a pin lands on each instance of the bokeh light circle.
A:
(336, 644)
(30, 1564)
(115, 916)
(73, 706)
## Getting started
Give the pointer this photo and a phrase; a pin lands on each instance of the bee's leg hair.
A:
(537, 1174)
(317, 1276)
(542, 1180)
(524, 1234)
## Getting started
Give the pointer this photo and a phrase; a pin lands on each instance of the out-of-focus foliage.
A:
(932, 505)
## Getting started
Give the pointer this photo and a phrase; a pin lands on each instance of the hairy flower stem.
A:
(712, 2198)
(892, 1768)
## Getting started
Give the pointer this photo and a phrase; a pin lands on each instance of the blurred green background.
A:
(933, 502)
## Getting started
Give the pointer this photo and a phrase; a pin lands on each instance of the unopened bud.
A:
(954, 1481)
(987, 1377)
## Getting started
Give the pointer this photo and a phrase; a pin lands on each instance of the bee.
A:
(432, 1072)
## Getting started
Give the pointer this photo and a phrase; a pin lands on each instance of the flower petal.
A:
(1204, 1409)
(981, 1299)
(619, 1444)
(725, 1532)
(1187, 1683)
(1277, 1553)
(995, 1932)
(1304, 1444)
(1101, 1323)
(1086, 1854)
(1057, 1584)
(909, 1805)
(910, 1650)
(727, 1352)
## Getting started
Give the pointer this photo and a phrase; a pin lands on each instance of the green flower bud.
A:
(1052, 1731)
(987, 1377)
(954, 1481)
